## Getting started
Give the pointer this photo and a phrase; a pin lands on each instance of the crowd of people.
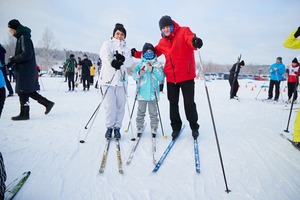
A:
(177, 44)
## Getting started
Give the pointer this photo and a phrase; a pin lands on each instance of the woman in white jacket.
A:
(116, 57)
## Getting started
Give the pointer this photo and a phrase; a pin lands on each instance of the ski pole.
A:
(135, 99)
(42, 83)
(260, 89)
(128, 109)
(96, 111)
(280, 93)
(156, 100)
(101, 101)
(292, 104)
(214, 125)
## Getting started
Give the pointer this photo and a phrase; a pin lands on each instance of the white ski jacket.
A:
(107, 51)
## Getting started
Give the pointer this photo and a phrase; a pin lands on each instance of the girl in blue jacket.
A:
(148, 73)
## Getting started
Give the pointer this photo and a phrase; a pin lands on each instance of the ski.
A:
(163, 157)
(13, 188)
(153, 150)
(291, 141)
(119, 156)
(197, 157)
(104, 157)
(137, 140)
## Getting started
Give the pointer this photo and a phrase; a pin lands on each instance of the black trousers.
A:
(71, 82)
(188, 92)
(2, 98)
(234, 86)
(291, 89)
(277, 89)
(86, 82)
(24, 97)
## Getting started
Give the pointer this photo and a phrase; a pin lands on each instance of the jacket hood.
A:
(176, 27)
(23, 30)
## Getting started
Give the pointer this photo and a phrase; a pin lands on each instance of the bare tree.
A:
(10, 46)
(47, 44)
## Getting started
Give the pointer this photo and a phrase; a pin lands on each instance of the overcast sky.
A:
(254, 28)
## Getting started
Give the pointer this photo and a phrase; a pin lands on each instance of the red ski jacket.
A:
(179, 53)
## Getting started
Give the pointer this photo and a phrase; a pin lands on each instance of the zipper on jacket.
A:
(173, 70)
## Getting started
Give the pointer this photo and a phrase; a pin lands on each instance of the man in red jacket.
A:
(178, 45)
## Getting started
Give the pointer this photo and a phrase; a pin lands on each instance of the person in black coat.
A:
(85, 73)
(25, 70)
(233, 78)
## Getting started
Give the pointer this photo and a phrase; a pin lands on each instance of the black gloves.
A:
(297, 34)
(116, 64)
(197, 42)
(133, 50)
(118, 61)
(119, 57)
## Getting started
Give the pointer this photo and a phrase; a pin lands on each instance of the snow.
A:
(259, 164)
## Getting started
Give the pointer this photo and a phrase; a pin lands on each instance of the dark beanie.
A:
(72, 56)
(148, 46)
(279, 58)
(14, 24)
(242, 63)
(295, 61)
(119, 27)
(165, 21)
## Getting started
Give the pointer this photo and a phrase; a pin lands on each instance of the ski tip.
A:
(121, 172)
(125, 131)
(165, 137)
(82, 141)
(132, 139)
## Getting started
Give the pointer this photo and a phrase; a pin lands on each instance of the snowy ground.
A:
(259, 164)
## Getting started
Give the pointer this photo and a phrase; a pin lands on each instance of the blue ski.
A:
(197, 158)
(162, 158)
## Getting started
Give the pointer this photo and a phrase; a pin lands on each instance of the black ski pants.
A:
(277, 89)
(2, 98)
(234, 86)
(292, 86)
(71, 82)
(188, 92)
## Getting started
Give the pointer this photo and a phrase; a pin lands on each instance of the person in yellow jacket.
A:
(293, 42)
(92, 74)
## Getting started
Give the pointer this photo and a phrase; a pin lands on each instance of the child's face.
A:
(166, 30)
(119, 35)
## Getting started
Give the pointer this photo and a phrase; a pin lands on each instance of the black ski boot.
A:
(117, 133)
(108, 133)
(195, 134)
(24, 114)
(175, 134)
(48, 104)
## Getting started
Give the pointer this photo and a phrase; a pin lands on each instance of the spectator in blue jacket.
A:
(2, 89)
(276, 71)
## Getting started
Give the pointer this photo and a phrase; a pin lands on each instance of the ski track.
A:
(259, 164)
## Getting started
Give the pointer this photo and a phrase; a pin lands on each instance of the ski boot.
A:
(108, 133)
(117, 133)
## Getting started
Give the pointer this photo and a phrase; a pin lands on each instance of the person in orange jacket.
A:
(178, 44)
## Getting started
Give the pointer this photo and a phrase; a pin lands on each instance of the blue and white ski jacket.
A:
(150, 81)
